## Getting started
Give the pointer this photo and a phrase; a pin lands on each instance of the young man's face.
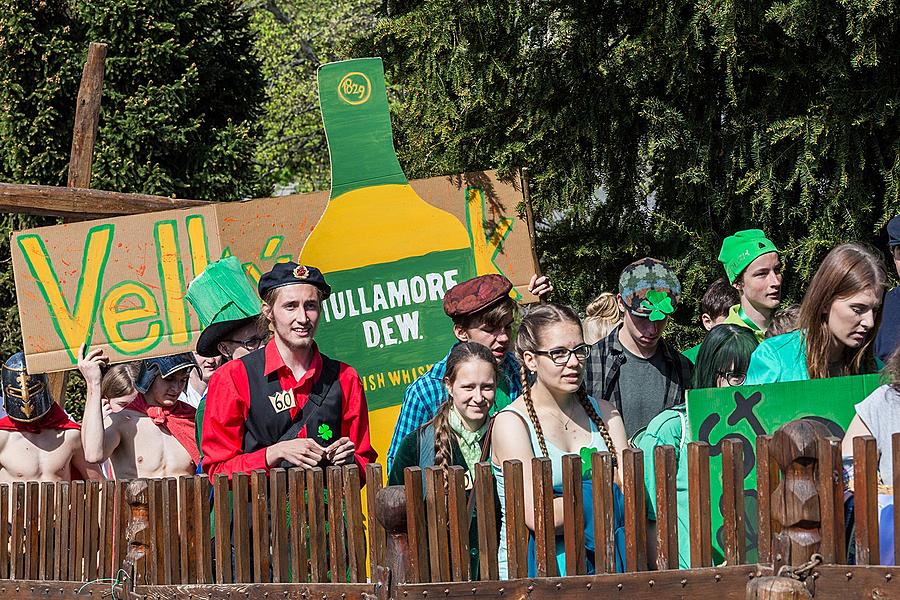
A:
(241, 342)
(760, 283)
(496, 338)
(294, 314)
(165, 391)
(642, 331)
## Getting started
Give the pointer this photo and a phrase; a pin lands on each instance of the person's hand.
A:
(341, 451)
(540, 286)
(91, 364)
(302, 452)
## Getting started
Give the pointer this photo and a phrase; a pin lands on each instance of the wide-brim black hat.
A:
(208, 342)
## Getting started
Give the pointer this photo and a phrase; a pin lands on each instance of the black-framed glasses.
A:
(250, 344)
(560, 356)
(733, 378)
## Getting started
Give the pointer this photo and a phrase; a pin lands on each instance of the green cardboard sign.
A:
(745, 412)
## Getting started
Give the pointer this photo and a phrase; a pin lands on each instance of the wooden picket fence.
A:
(303, 533)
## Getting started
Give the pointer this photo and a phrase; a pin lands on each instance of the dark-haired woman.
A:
(553, 416)
(838, 319)
(721, 362)
(457, 434)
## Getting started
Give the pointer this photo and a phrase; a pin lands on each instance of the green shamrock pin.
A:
(585, 454)
(659, 304)
(325, 432)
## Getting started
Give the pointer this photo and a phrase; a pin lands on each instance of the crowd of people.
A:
(257, 393)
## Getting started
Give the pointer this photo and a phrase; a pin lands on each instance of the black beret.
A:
(290, 273)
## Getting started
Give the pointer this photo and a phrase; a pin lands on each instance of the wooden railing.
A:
(303, 533)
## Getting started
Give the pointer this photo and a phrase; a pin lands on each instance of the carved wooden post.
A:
(137, 497)
(796, 502)
(390, 510)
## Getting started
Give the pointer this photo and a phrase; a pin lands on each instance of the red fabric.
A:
(228, 404)
(177, 420)
(56, 418)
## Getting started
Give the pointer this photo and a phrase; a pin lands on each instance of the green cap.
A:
(224, 300)
(741, 249)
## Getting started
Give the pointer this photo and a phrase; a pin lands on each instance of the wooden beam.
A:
(68, 202)
(87, 117)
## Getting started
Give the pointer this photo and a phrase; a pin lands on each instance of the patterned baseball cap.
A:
(475, 294)
(650, 289)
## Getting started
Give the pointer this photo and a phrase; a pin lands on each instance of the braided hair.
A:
(460, 354)
(534, 323)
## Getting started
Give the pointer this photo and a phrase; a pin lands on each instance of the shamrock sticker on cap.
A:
(325, 432)
(659, 304)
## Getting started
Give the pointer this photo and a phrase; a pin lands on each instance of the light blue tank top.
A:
(555, 455)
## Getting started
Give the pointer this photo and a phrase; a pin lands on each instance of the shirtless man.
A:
(151, 437)
(38, 441)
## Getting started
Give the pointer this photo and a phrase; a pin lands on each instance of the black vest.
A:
(321, 414)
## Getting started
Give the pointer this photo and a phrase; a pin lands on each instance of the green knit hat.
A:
(741, 249)
(224, 300)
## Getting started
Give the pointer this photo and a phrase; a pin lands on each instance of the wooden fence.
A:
(303, 534)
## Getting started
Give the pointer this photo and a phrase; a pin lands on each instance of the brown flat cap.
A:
(475, 294)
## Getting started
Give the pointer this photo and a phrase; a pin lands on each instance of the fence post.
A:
(137, 533)
(390, 511)
(795, 501)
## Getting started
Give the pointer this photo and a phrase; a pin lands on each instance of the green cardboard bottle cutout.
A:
(388, 254)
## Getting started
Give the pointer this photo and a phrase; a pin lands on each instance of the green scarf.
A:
(469, 441)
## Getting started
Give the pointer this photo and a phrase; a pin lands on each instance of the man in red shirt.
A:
(286, 404)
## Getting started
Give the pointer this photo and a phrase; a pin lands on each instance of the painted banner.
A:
(390, 249)
(743, 413)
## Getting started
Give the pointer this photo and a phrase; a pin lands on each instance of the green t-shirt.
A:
(670, 428)
(691, 353)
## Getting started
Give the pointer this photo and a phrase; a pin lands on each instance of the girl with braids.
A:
(457, 436)
(838, 319)
(553, 416)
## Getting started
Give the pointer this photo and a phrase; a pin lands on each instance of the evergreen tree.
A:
(181, 99)
(659, 127)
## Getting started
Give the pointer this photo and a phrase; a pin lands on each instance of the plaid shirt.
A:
(427, 393)
(601, 378)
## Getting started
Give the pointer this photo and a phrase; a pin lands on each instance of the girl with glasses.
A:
(721, 362)
(554, 416)
(838, 319)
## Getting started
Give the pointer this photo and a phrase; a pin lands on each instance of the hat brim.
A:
(208, 342)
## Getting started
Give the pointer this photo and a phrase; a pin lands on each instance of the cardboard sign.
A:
(743, 413)
(389, 248)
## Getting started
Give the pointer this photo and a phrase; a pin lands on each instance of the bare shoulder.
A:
(607, 410)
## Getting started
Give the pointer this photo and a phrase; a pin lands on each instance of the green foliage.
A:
(294, 38)
(181, 99)
(659, 127)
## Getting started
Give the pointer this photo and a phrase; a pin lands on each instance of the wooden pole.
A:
(87, 117)
(390, 511)
(84, 135)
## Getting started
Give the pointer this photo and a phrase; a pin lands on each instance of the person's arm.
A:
(99, 433)
(512, 441)
(84, 469)
(407, 456)
(616, 427)
(413, 413)
(354, 443)
(857, 428)
(227, 406)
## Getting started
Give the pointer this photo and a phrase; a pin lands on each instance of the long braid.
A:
(442, 451)
(529, 405)
(588, 407)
